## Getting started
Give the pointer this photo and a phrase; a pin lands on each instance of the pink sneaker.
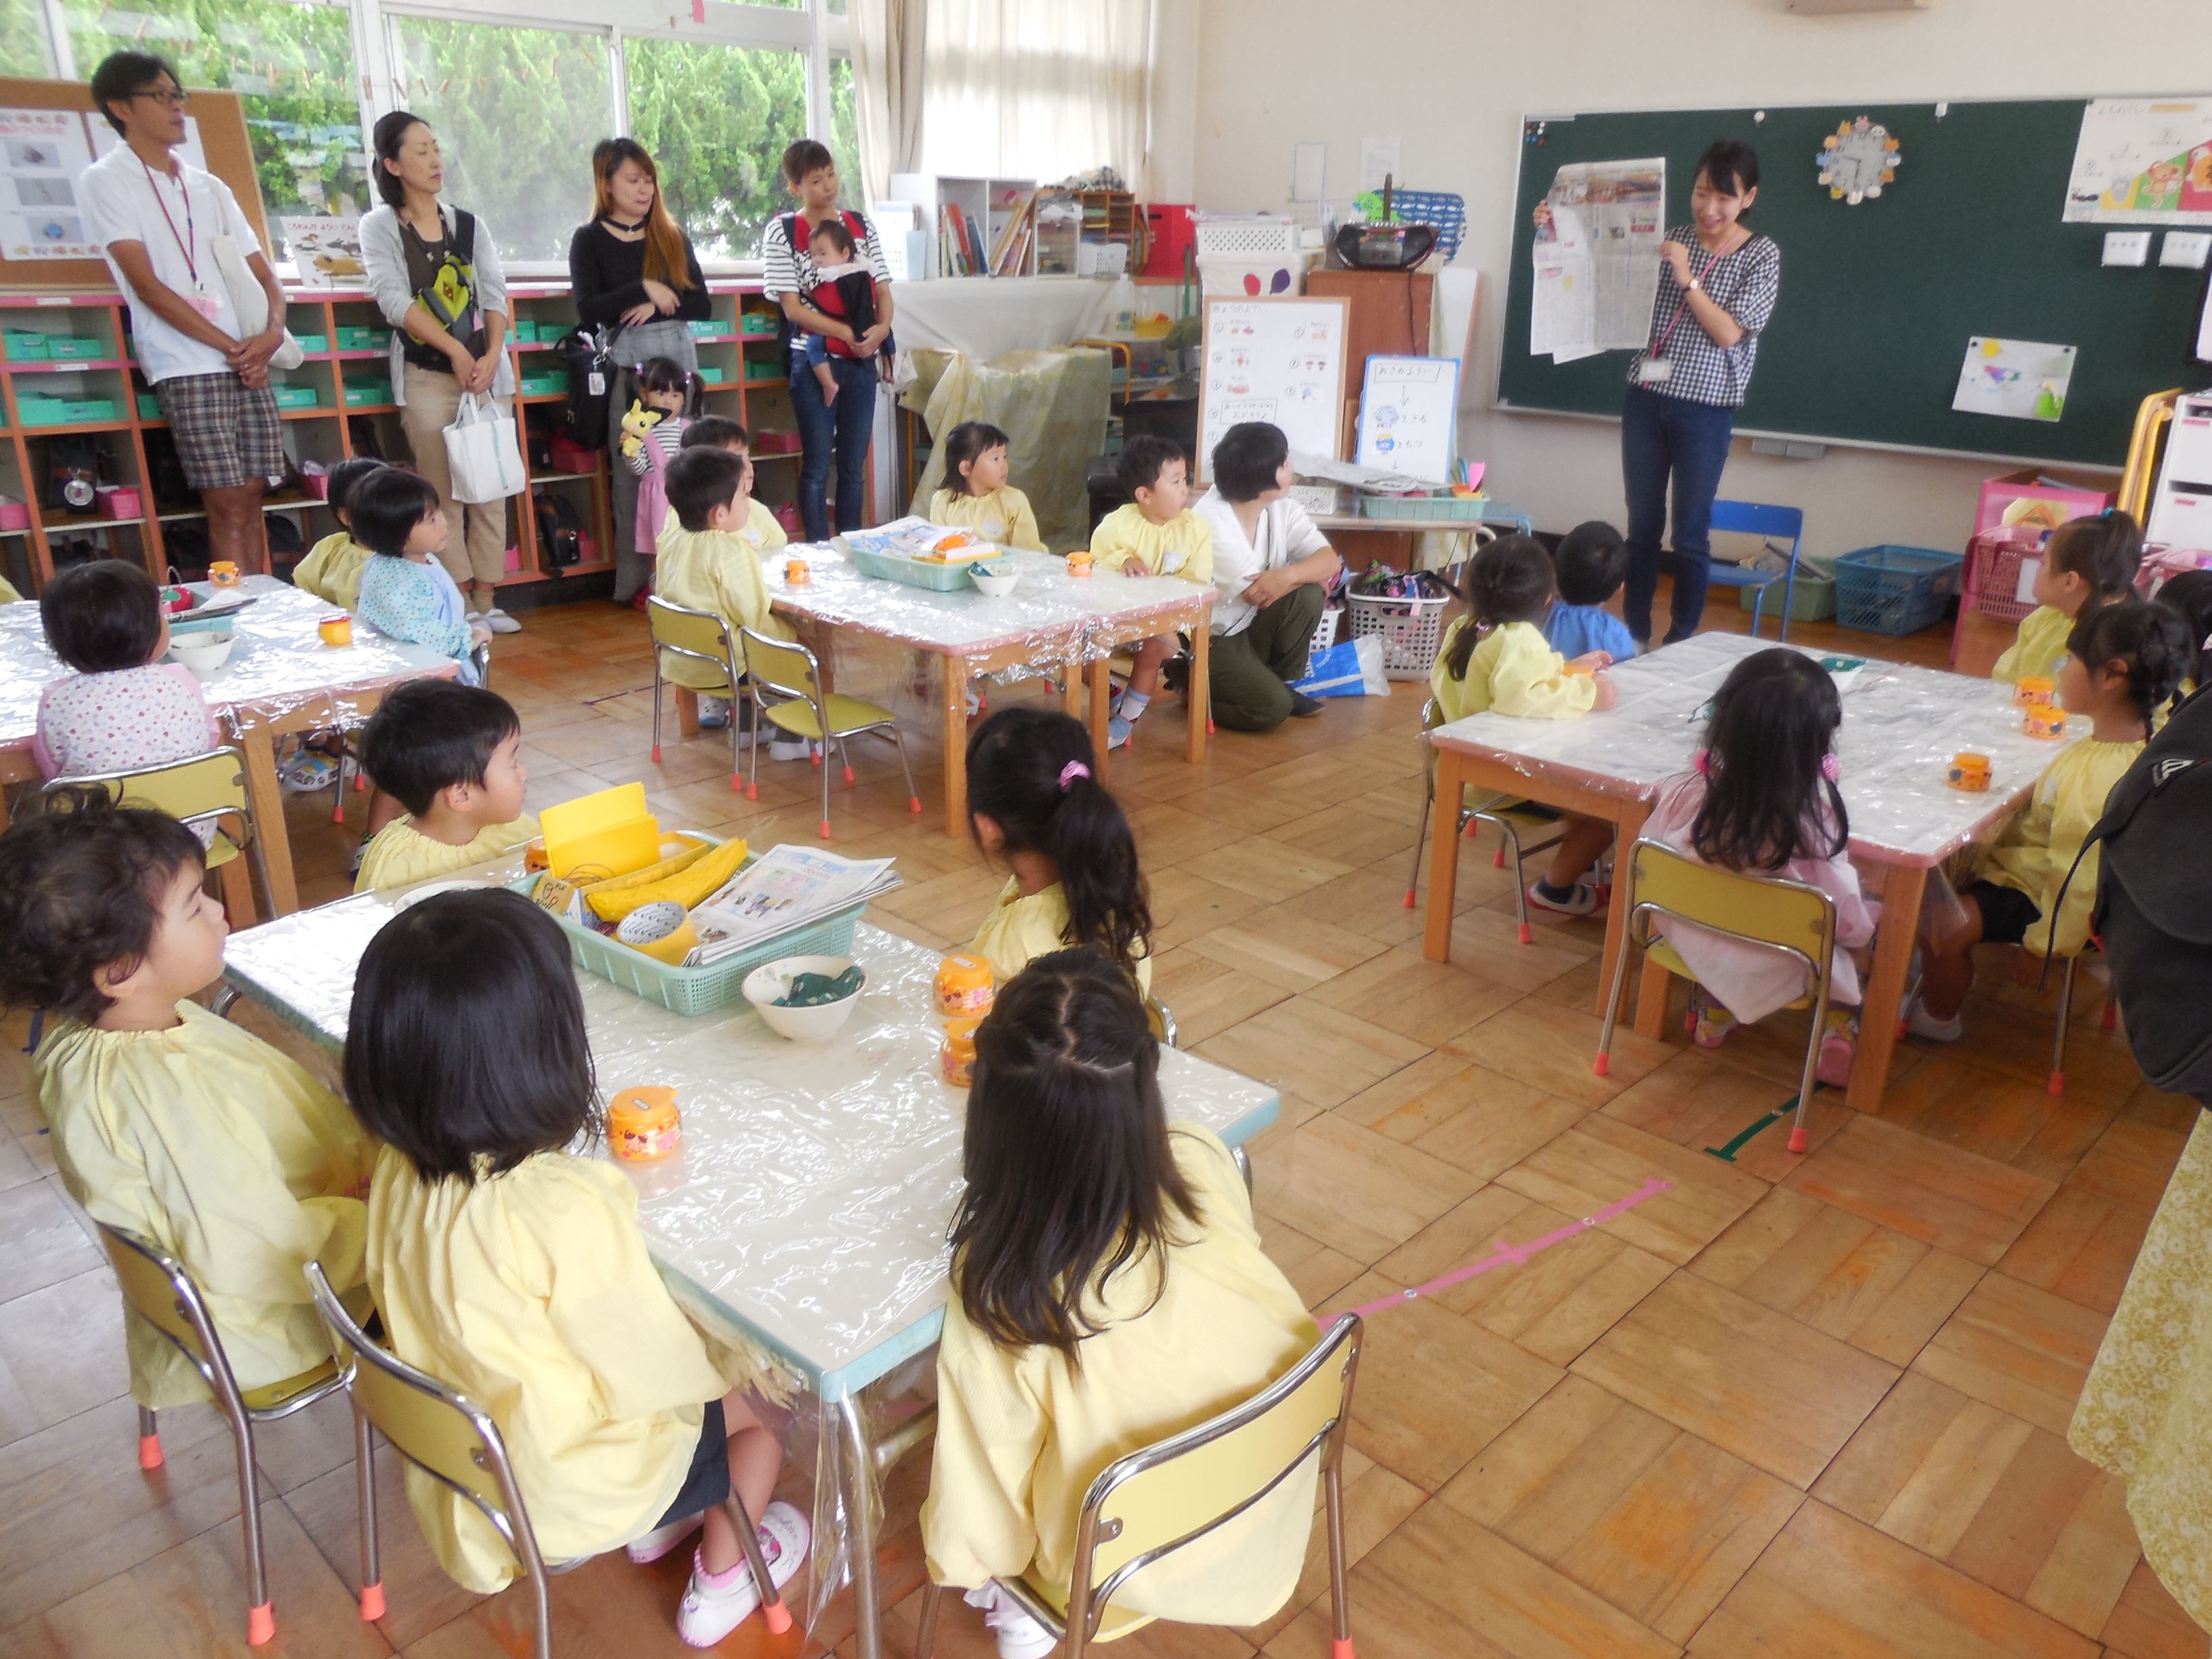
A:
(1837, 1048)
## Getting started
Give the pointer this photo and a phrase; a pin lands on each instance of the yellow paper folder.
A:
(609, 834)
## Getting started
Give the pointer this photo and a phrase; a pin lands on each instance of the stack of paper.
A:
(791, 887)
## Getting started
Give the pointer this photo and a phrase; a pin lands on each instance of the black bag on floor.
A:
(559, 531)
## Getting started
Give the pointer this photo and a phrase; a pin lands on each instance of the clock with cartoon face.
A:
(1856, 160)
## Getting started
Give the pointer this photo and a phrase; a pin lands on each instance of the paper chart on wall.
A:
(1408, 409)
(1596, 257)
(1281, 361)
(2143, 162)
(2021, 380)
(42, 152)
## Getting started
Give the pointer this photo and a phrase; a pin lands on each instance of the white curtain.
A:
(1036, 89)
(887, 79)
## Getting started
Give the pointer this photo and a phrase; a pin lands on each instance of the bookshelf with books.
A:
(985, 228)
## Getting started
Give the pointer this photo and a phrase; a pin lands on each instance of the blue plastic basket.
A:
(1445, 210)
(1894, 590)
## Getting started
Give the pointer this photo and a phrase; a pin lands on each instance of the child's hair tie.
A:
(1831, 768)
(1702, 762)
(1069, 773)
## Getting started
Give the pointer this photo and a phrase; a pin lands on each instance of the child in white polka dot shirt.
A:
(124, 707)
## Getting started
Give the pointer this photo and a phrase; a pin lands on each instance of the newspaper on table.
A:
(1596, 257)
(910, 537)
(791, 887)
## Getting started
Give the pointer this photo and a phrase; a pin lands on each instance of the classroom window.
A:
(516, 111)
(292, 68)
(845, 134)
(23, 40)
(716, 119)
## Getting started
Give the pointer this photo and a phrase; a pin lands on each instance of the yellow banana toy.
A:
(686, 878)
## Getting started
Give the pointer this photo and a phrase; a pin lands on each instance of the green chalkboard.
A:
(1878, 301)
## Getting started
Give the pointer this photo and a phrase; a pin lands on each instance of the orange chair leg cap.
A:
(814, 757)
(1525, 934)
(1340, 1649)
(914, 802)
(2057, 1084)
(1497, 858)
(736, 782)
(825, 829)
(1800, 1139)
(656, 754)
(1209, 728)
(372, 1603)
(1409, 898)
(260, 1625)
(337, 812)
(149, 1451)
(1602, 1065)
(360, 783)
(778, 1617)
(752, 792)
(848, 774)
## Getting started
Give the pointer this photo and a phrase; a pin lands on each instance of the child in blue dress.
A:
(405, 590)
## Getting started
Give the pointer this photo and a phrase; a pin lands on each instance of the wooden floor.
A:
(1795, 1406)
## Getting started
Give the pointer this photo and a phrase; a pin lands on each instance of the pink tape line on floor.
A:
(1516, 1255)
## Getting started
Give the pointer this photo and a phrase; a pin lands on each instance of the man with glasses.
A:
(156, 218)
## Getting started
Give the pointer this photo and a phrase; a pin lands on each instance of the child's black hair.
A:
(2149, 640)
(972, 439)
(1021, 774)
(1731, 165)
(81, 889)
(1070, 1175)
(1246, 460)
(2189, 596)
(2104, 549)
(1767, 799)
(1509, 580)
(122, 75)
(1590, 563)
(664, 375)
(387, 506)
(701, 480)
(715, 432)
(431, 734)
(834, 231)
(465, 1050)
(345, 479)
(1143, 458)
(805, 156)
(102, 617)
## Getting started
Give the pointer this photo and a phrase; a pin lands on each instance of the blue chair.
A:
(1773, 524)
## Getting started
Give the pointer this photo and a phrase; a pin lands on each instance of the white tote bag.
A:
(247, 297)
(481, 451)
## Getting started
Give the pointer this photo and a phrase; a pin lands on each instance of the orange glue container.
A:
(222, 574)
(1078, 564)
(335, 630)
(642, 1123)
(2035, 692)
(1968, 772)
(2044, 722)
(798, 573)
(958, 1058)
(964, 986)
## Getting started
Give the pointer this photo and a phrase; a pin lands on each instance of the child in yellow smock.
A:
(2088, 562)
(8, 594)
(166, 1120)
(1156, 535)
(452, 755)
(710, 554)
(1034, 801)
(1053, 1364)
(331, 570)
(2122, 665)
(1496, 659)
(512, 1269)
(976, 495)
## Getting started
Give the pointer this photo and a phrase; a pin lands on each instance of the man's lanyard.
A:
(184, 242)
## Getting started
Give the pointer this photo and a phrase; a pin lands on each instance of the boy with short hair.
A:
(1157, 534)
(1588, 566)
(331, 570)
(450, 754)
(710, 560)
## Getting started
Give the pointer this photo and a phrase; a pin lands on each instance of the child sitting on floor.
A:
(663, 387)
(124, 707)
(1108, 1290)
(1494, 659)
(506, 1261)
(710, 559)
(1588, 567)
(331, 570)
(2088, 562)
(452, 755)
(2123, 662)
(976, 495)
(1762, 800)
(1034, 801)
(405, 593)
(166, 1120)
(1156, 535)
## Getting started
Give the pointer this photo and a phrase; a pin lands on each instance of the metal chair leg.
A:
(149, 1440)
(822, 764)
(656, 707)
(1519, 881)
(2058, 1038)
(752, 748)
(1420, 835)
(913, 800)
(772, 1607)
(924, 1637)
(1603, 1064)
(1340, 1645)
(1242, 1159)
(372, 1573)
(1800, 1137)
(260, 1617)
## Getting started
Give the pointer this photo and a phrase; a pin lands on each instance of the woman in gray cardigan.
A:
(433, 272)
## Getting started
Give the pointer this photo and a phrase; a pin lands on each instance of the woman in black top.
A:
(633, 273)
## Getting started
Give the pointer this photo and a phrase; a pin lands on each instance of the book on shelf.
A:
(791, 888)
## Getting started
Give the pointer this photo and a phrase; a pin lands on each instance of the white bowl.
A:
(997, 583)
(816, 1024)
(202, 651)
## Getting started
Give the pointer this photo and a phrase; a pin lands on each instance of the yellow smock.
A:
(1513, 671)
(402, 853)
(1184, 546)
(331, 570)
(1018, 929)
(532, 1293)
(2145, 1411)
(1022, 1433)
(227, 1155)
(2039, 648)
(718, 571)
(2038, 848)
(8, 594)
(1002, 518)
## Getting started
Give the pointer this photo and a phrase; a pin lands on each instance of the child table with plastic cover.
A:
(279, 677)
(1901, 726)
(803, 1217)
(1051, 625)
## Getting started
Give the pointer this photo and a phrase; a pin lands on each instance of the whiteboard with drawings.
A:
(1408, 411)
(1278, 361)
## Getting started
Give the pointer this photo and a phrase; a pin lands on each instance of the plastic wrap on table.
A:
(1052, 406)
(1902, 724)
(278, 663)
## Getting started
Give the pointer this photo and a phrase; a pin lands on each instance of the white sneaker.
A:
(712, 1610)
(1581, 899)
(1922, 1024)
(499, 622)
(473, 619)
(661, 1539)
(1020, 1636)
(790, 748)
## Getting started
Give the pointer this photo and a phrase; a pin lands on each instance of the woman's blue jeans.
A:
(842, 429)
(1660, 435)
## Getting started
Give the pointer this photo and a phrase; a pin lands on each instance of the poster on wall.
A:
(1597, 254)
(324, 250)
(42, 151)
(1279, 360)
(2019, 379)
(2143, 162)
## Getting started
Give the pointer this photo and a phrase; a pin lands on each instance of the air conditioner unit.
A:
(1822, 7)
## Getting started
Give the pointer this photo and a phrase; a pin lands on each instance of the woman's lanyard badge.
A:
(1655, 368)
(202, 298)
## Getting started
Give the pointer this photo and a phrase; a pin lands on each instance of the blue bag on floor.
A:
(1353, 669)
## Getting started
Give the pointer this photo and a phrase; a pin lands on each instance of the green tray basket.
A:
(1445, 508)
(932, 578)
(363, 394)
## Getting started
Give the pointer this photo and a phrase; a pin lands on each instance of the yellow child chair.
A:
(1793, 917)
(785, 683)
(456, 1443)
(1162, 1496)
(208, 789)
(704, 637)
(1513, 819)
(156, 1284)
